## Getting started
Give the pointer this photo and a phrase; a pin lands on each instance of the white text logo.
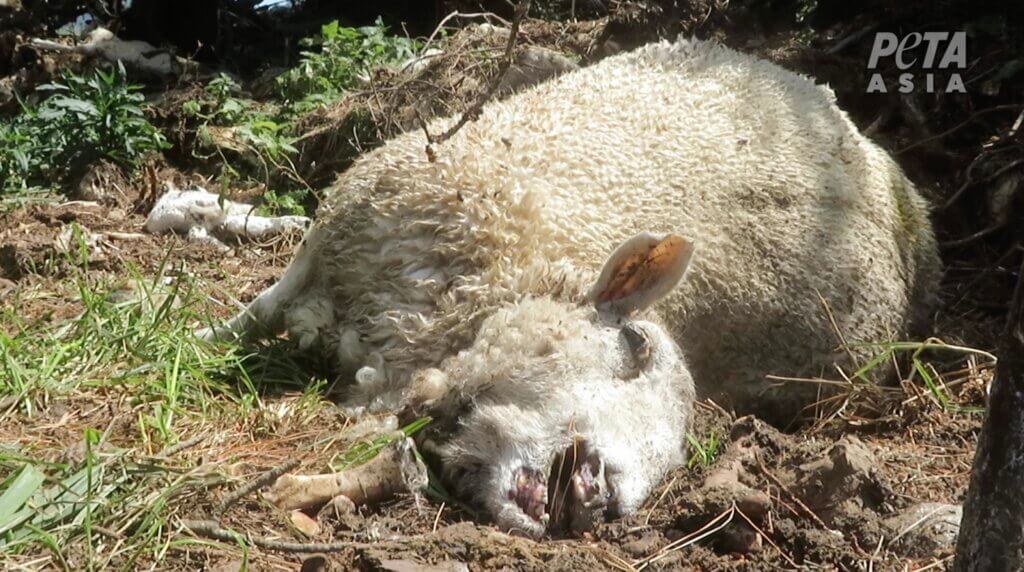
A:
(927, 52)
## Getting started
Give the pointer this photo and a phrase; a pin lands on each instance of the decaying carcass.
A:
(522, 287)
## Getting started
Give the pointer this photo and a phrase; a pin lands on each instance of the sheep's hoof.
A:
(214, 334)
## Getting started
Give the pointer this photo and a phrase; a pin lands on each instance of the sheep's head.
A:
(559, 411)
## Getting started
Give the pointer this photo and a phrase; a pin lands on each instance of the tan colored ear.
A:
(640, 272)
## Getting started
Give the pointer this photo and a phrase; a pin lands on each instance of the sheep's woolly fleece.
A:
(203, 216)
(792, 210)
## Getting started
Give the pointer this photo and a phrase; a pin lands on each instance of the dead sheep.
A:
(522, 287)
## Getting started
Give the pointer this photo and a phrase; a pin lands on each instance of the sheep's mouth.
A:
(573, 497)
(577, 490)
(529, 492)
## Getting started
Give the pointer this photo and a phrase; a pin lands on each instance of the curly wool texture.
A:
(788, 204)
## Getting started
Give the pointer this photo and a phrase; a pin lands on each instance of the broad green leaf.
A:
(19, 491)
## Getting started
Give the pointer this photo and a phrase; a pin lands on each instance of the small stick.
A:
(1016, 124)
(769, 540)
(457, 14)
(438, 517)
(971, 182)
(937, 563)
(125, 235)
(611, 559)
(211, 529)
(261, 481)
(835, 326)
(914, 525)
(660, 498)
(958, 126)
(971, 238)
(474, 110)
(180, 446)
(851, 39)
(711, 527)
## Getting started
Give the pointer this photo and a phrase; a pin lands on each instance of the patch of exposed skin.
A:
(529, 491)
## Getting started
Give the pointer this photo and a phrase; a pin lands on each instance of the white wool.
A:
(787, 203)
(784, 199)
(197, 213)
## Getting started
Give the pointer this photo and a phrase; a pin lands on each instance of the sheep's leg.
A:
(265, 314)
(395, 470)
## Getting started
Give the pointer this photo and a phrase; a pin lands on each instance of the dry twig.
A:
(180, 446)
(474, 110)
(764, 471)
(767, 539)
(958, 126)
(970, 182)
(211, 529)
(711, 527)
(265, 479)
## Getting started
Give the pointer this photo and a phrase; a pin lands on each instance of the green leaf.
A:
(329, 31)
(18, 493)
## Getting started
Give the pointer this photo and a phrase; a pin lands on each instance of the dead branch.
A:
(211, 529)
(456, 14)
(263, 480)
(959, 126)
(971, 182)
(474, 110)
(852, 38)
(180, 446)
(971, 238)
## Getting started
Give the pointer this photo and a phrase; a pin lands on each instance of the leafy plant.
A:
(258, 133)
(933, 381)
(83, 120)
(129, 354)
(287, 202)
(256, 139)
(254, 126)
(345, 54)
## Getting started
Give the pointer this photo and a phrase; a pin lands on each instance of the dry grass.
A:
(118, 422)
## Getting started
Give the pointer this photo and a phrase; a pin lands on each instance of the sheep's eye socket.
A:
(639, 343)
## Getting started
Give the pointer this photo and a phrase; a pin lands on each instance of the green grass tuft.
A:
(702, 452)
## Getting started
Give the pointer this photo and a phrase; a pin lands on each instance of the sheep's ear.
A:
(640, 272)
